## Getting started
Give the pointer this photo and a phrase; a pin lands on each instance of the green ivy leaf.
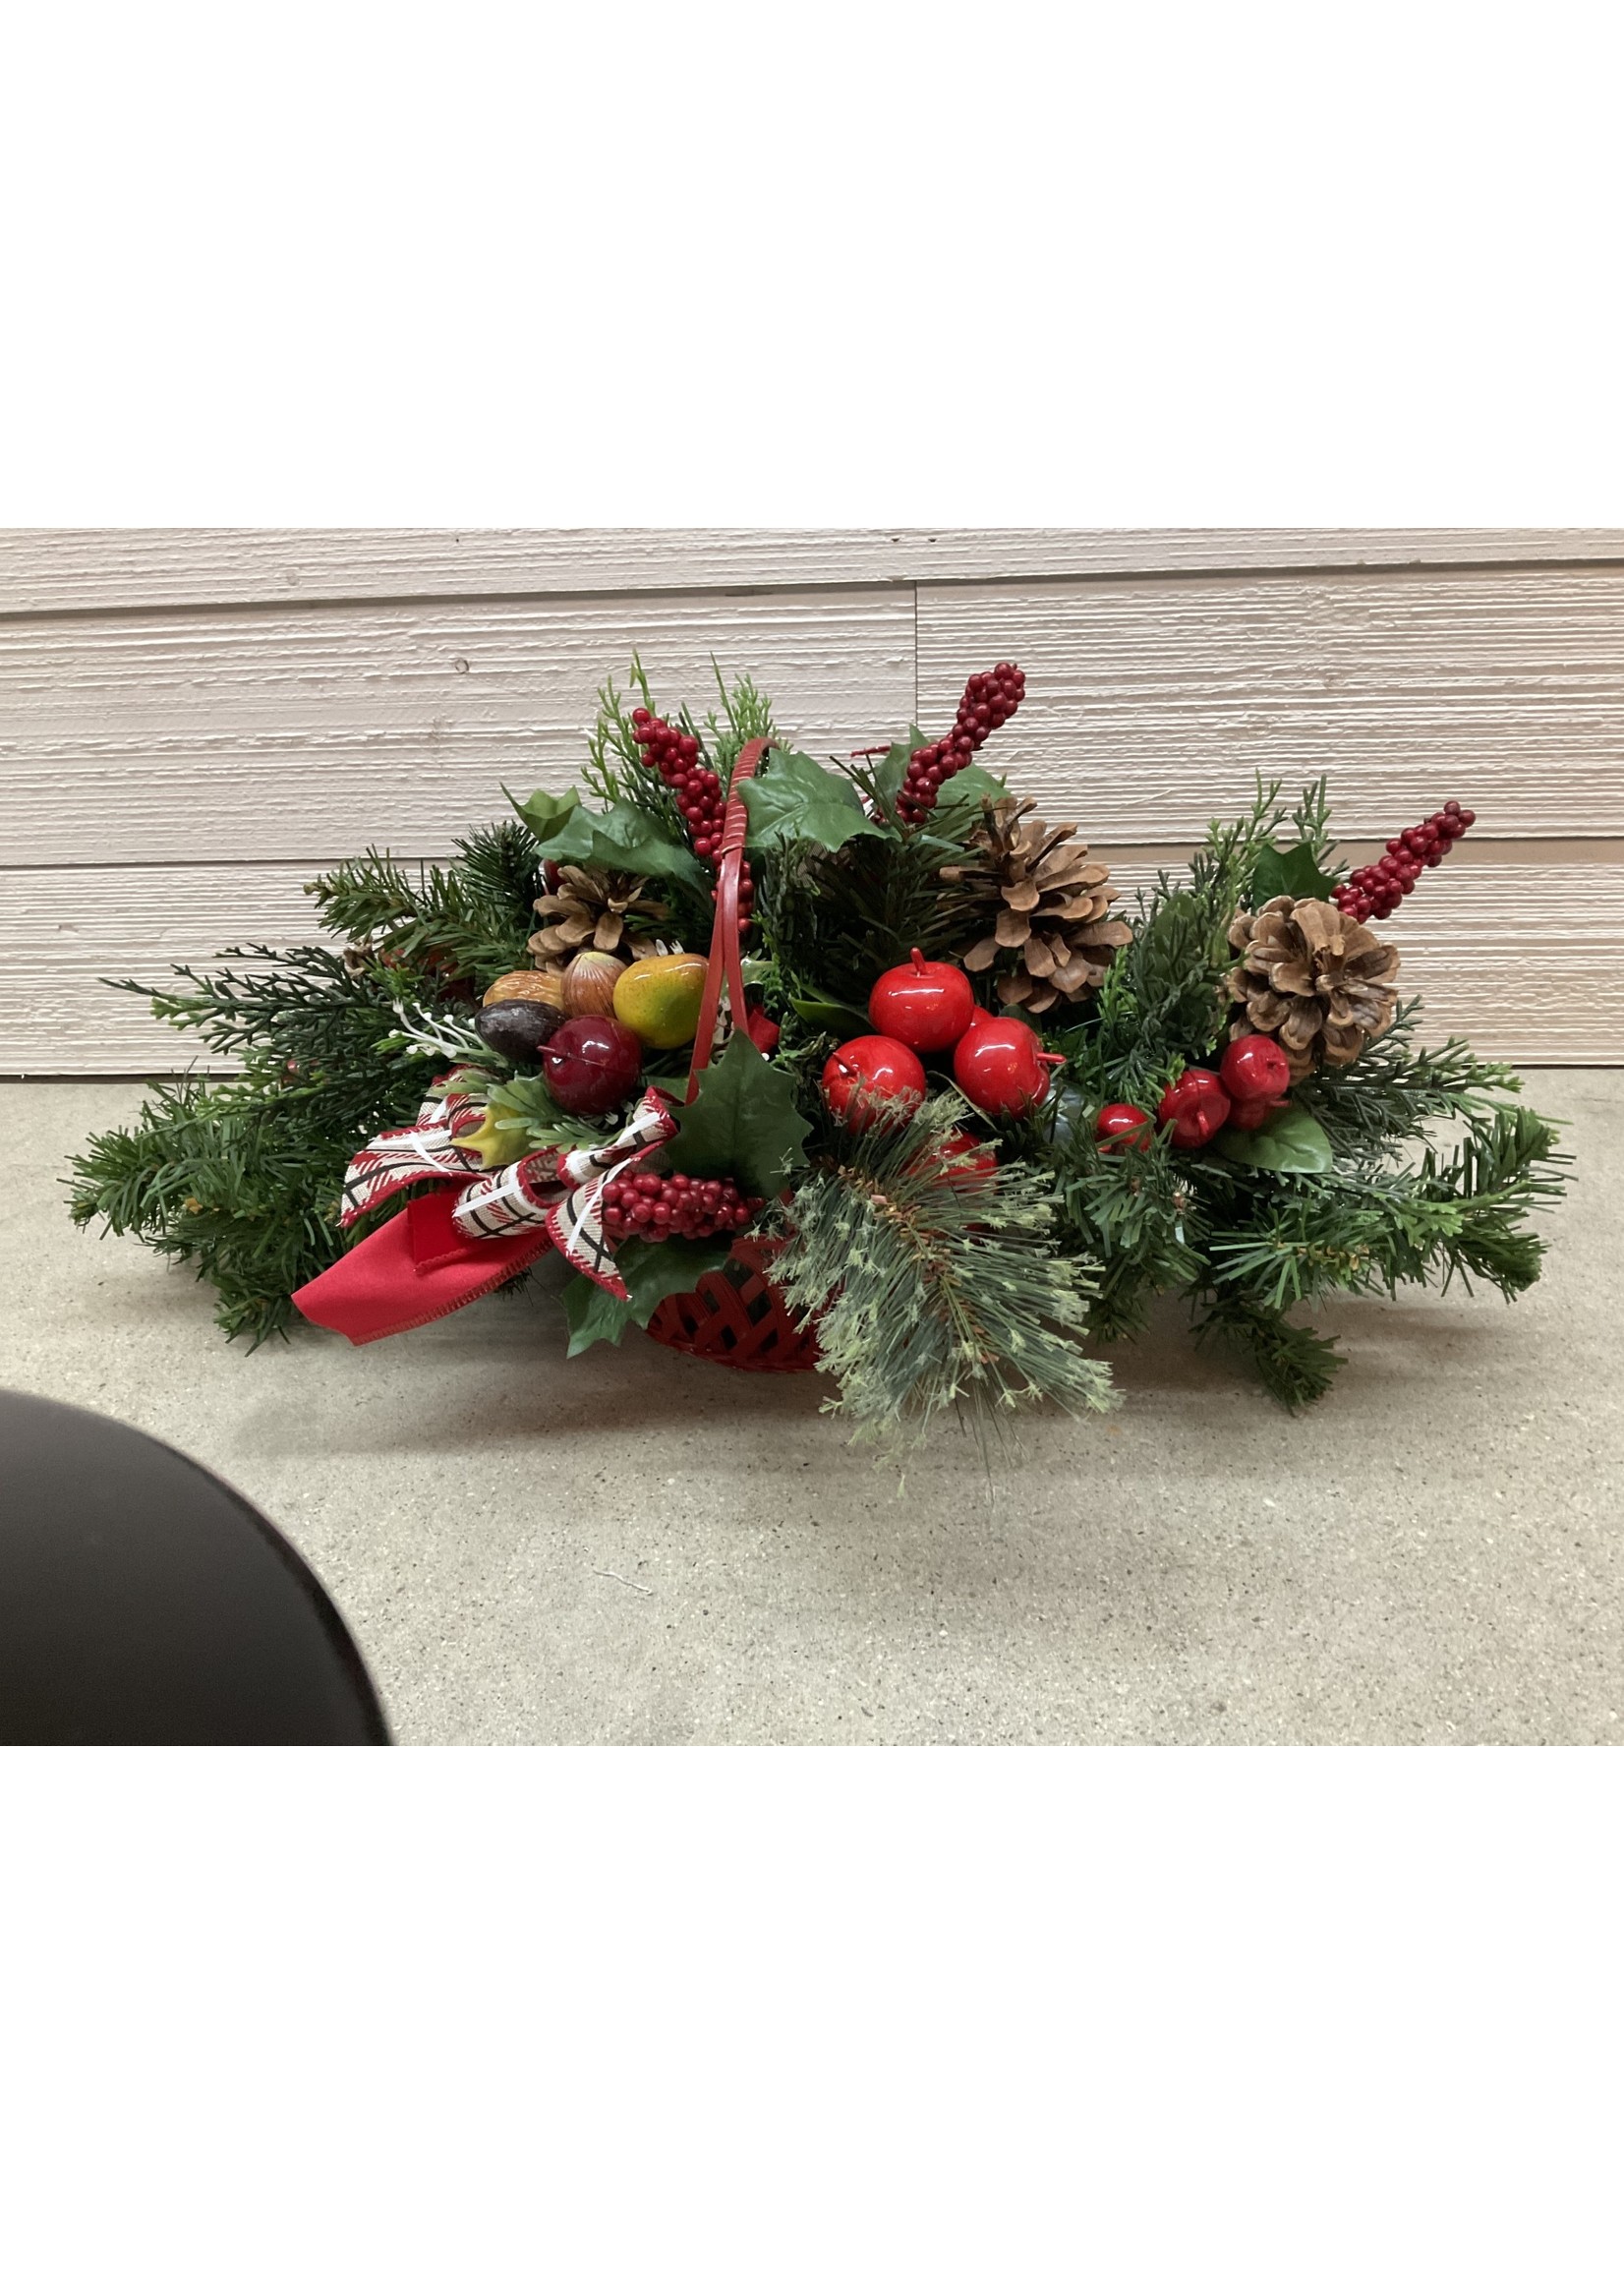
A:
(652, 1271)
(795, 800)
(743, 1123)
(622, 837)
(1293, 871)
(1289, 1143)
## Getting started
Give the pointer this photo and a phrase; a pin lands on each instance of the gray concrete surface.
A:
(639, 1548)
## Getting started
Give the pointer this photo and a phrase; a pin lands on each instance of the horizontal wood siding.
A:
(56, 569)
(192, 721)
(277, 734)
(1152, 705)
(1539, 994)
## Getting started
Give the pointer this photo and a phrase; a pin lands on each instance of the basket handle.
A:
(725, 959)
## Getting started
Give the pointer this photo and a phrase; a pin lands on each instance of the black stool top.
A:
(142, 1602)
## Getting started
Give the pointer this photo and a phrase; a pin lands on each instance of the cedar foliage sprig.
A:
(241, 1177)
(614, 772)
(469, 920)
(934, 1291)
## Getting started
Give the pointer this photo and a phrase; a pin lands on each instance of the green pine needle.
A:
(934, 1291)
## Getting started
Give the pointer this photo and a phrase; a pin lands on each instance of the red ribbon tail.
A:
(417, 1267)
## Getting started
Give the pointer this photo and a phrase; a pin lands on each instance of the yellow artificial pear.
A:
(657, 997)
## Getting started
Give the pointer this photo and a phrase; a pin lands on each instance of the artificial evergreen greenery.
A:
(934, 1289)
(240, 1178)
(937, 1281)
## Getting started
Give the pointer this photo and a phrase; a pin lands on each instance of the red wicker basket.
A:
(734, 1316)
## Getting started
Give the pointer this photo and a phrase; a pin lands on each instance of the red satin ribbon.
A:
(417, 1267)
(421, 1264)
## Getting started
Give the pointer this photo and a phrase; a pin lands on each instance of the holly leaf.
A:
(622, 837)
(795, 800)
(655, 1269)
(973, 783)
(652, 1271)
(1289, 1143)
(887, 775)
(543, 814)
(593, 1313)
(743, 1124)
(1295, 872)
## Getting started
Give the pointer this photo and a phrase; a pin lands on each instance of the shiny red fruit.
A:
(1196, 1105)
(1000, 1067)
(927, 1006)
(1120, 1128)
(967, 1160)
(1252, 1112)
(592, 1065)
(878, 1067)
(1255, 1066)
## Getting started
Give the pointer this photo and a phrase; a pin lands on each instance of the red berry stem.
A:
(697, 789)
(989, 698)
(647, 1206)
(1376, 891)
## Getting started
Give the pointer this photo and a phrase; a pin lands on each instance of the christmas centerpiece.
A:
(861, 1063)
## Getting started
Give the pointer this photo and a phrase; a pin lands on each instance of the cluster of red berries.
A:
(646, 1206)
(989, 698)
(1376, 891)
(696, 787)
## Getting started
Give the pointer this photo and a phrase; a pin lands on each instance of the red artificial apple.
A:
(965, 1161)
(1197, 1105)
(1252, 1112)
(1254, 1066)
(868, 1069)
(927, 1006)
(1123, 1127)
(1000, 1067)
(592, 1065)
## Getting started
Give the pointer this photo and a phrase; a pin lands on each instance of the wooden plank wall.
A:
(192, 721)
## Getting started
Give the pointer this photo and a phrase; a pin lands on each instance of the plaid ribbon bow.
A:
(434, 1256)
(560, 1191)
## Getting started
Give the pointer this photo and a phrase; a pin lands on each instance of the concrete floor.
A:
(639, 1548)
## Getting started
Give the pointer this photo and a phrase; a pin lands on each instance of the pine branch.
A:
(463, 924)
(1391, 1091)
(1452, 1217)
(1297, 1366)
(1131, 1212)
(238, 1180)
(303, 1005)
(929, 1290)
(1310, 819)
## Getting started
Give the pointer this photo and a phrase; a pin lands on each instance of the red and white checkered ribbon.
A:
(553, 1190)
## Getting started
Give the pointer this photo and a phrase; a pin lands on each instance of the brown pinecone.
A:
(1313, 980)
(595, 907)
(1045, 899)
